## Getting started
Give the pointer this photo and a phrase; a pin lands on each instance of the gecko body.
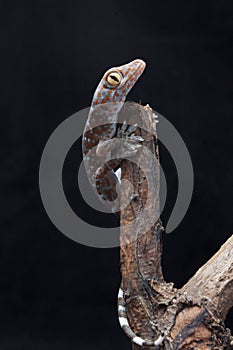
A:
(101, 126)
(100, 130)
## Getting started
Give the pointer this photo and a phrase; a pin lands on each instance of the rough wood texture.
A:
(191, 318)
(137, 272)
(213, 282)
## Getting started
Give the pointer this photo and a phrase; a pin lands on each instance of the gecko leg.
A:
(106, 180)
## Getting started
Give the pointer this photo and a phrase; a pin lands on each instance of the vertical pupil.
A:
(113, 77)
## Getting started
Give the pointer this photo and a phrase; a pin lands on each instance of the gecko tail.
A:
(122, 317)
(118, 174)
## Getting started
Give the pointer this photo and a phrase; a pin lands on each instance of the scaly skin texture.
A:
(101, 127)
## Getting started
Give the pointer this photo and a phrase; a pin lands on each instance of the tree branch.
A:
(192, 317)
(213, 282)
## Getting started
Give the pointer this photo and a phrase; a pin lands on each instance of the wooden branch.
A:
(192, 317)
(213, 282)
(140, 254)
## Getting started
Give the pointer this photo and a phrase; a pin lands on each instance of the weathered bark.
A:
(191, 318)
(213, 282)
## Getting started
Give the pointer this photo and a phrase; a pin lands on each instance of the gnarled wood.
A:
(213, 282)
(192, 317)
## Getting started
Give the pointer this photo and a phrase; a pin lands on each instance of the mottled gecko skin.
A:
(107, 101)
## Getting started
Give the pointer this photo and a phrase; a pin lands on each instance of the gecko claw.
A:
(122, 129)
(136, 138)
(131, 129)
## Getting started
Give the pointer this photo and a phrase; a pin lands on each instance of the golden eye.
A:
(114, 78)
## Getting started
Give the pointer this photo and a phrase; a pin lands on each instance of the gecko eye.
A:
(114, 78)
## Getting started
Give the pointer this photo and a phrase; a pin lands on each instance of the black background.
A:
(55, 293)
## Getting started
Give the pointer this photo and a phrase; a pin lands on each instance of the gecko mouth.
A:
(135, 70)
(138, 67)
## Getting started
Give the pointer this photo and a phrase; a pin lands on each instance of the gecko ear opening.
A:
(114, 78)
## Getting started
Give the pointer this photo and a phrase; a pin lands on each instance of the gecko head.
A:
(118, 81)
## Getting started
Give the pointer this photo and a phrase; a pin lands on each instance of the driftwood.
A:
(192, 317)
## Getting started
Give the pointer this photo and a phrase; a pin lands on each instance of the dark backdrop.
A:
(55, 293)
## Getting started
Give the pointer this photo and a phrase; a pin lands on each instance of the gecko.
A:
(101, 128)
(99, 132)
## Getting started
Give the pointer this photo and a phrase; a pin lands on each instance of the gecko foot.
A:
(133, 142)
